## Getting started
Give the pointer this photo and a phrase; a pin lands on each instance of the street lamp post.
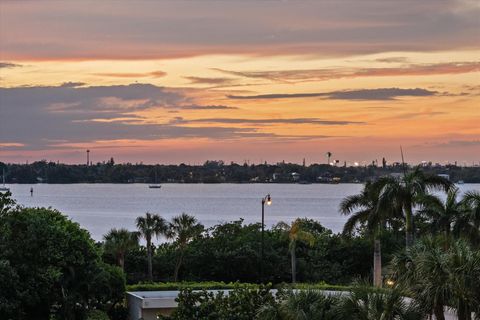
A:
(268, 200)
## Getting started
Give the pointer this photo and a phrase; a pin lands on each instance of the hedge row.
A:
(212, 285)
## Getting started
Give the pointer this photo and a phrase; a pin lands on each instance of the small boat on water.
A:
(3, 188)
(155, 185)
(304, 182)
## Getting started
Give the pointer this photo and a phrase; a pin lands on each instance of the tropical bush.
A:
(305, 304)
(166, 286)
(241, 303)
(366, 303)
(360, 303)
(97, 315)
(51, 268)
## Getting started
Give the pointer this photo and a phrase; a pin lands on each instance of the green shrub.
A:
(166, 286)
(118, 312)
(213, 285)
(315, 286)
(97, 315)
(241, 303)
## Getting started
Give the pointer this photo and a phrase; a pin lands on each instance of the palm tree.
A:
(403, 194)
(329, 155)
(118, 242)
(471, 200)
(148, 226)
(304, 304)
(463, 263)
(444, 216)
(364, 210)
(295, 234)
(435, 277)
(182, 230)
(365, 303)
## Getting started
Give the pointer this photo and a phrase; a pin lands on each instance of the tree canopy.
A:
(50, 267)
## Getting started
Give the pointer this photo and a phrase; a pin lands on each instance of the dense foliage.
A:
(213, 172)
(360, 303)
(241, 303)
(230, 252)
(51, 268)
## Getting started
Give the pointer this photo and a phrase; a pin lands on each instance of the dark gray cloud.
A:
(279, 96)
(314, 121)
(380, 94)
(211, 81)
(361, 94)
(393, 60)
(9, 65)
(208, 107)
(37, 118)
(41, 117)
(313, 75)
(71, 84)
(155, 29)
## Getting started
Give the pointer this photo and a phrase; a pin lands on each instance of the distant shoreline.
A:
(220, 172)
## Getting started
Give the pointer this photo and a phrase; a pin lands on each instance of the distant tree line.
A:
(216, 172)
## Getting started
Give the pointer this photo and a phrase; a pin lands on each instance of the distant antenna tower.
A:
(88, 157)
(403, 163)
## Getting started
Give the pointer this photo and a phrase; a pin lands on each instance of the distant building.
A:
(147, 305)
(446, 176)
(295, 176)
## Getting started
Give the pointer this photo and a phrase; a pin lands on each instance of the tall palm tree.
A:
(363, 210)
(446, 216)
(329, 155)
(405, 193)
(471, 200)
(148, 226)
(118, 242)
(463, 263)
(183, 229)
(295, 234)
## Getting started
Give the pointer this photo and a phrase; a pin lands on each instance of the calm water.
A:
(100, 207)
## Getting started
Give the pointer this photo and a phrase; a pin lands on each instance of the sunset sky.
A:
(188, 81)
